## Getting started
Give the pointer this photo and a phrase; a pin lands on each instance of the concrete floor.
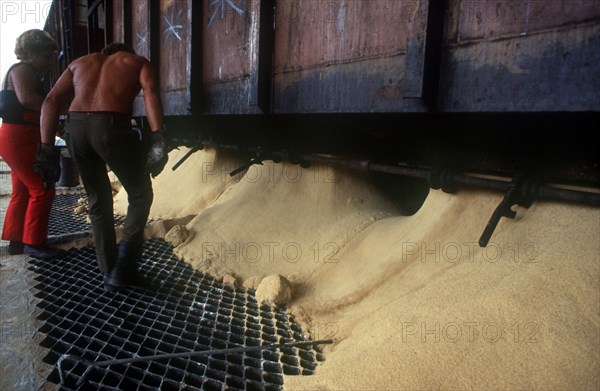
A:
(21, 367)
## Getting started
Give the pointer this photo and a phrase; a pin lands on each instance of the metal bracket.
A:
(258, 158)
(262, 154)
(442, 179)
(521, 191)
(189, 153)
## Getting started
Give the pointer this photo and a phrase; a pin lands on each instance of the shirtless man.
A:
(101, 88)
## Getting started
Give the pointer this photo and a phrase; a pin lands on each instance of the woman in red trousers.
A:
(26, 222)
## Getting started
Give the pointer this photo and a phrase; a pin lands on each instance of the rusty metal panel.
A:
(341, 56)
(488, 19)
(230, 53)
(552, 71)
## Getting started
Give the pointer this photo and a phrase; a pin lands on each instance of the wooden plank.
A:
(175, 43)
(118, 21)
(227, 40)
(488, 19)
(231, 45)
(372, 86)
(341, 56)
(552, 71)
(161, 32)
(424, 48)
(140, 22)
(141, 42)
(108, 23)
(319, 32)
(126, 17)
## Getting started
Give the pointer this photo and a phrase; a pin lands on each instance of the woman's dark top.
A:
(11, 110)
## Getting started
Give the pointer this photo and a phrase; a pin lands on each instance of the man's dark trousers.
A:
(98, 139)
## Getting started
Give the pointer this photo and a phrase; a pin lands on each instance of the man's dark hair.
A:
(114, 47)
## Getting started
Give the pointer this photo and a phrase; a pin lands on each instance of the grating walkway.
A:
(66, 225)
(181, 311)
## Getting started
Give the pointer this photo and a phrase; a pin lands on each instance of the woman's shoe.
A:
(15, 247)
(41, 251)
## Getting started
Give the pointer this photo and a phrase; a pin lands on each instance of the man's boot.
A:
(125, 273)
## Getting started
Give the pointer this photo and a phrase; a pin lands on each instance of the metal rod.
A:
(186, 156)
(245, 166)
(106, 363)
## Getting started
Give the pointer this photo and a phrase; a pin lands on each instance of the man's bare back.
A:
(103, 83)
(106, 83)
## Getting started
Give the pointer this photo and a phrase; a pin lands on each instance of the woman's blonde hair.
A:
(34, 42)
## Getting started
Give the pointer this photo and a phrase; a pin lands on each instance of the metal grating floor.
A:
(63, 220)
(182, 310)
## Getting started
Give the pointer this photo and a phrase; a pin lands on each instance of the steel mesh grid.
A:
(184, 310)
(63, 220)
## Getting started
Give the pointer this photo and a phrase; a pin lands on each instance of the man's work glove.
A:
(157, 154)
(47, 164)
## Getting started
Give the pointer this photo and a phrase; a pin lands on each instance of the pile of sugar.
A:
(413, 302)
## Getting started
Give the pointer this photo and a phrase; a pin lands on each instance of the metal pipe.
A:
(542, 192)
(579, 197)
